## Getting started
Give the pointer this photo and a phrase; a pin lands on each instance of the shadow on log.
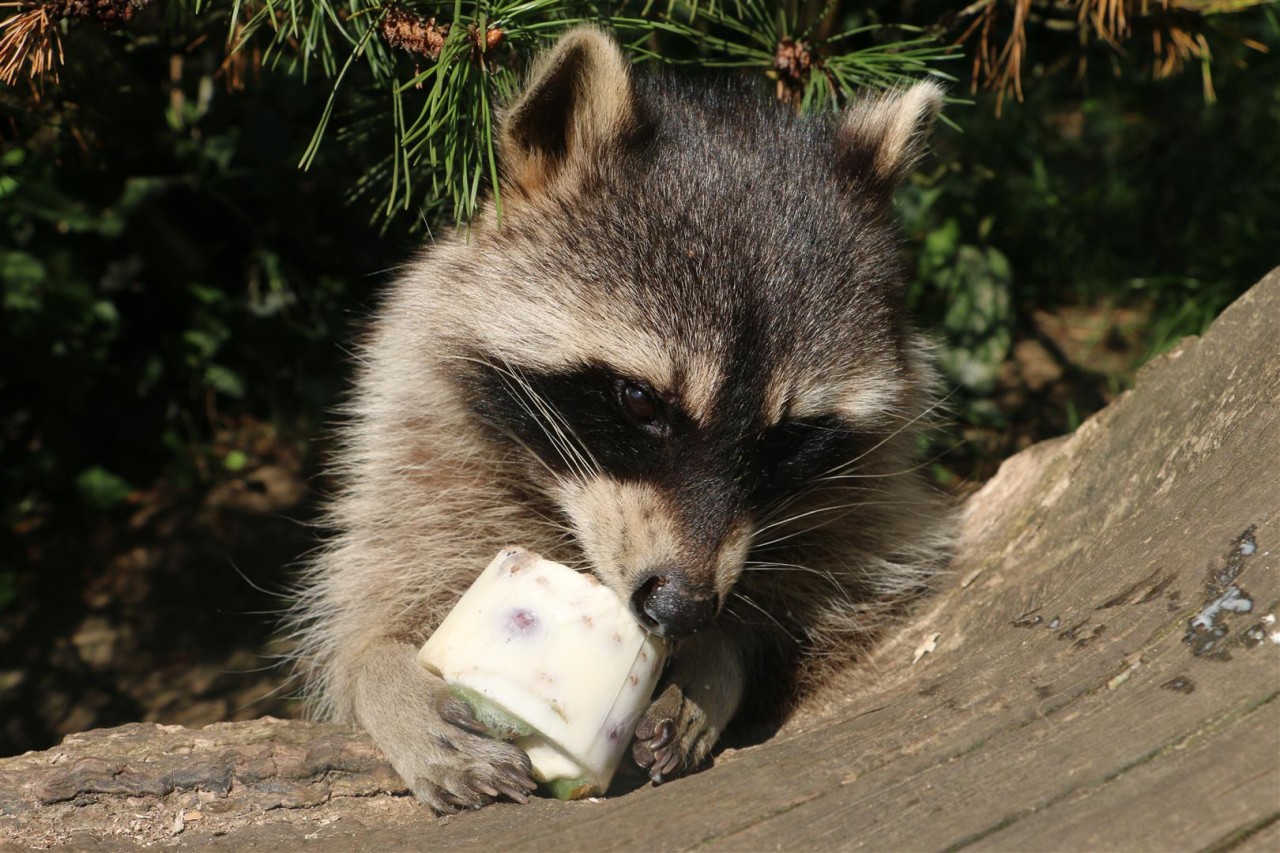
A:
(1099, 672)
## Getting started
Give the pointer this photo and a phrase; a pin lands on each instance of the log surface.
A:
(1100, 671)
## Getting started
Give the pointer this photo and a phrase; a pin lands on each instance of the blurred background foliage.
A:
(179, 296)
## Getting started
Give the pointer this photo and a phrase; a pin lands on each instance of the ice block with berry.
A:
(552, 660)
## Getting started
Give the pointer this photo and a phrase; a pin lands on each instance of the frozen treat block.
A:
(553, 660)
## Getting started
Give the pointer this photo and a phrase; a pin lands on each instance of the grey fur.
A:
(736, 259)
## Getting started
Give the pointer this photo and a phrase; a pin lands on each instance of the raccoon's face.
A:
(693, 316)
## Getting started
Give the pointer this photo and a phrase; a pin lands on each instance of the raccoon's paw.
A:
(674, 736)
(431, 738)
(456, 767)
(475, 776)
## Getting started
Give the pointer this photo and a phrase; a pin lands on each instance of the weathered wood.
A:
(1069, 701)
(124, 780)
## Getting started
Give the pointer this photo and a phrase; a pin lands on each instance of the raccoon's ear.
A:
(578, 101)
(882, 136)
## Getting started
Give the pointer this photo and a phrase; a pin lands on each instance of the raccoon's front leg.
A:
(430, 736)
(703, 690)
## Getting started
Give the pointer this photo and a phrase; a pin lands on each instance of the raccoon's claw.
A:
(454, 710)
(492, 769)
(673, 737)
(661, 763)
(663, 734)
(511, 782)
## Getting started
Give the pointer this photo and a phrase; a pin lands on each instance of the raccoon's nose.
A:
(670, 607)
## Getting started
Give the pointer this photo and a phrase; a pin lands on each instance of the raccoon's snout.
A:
(670, 607)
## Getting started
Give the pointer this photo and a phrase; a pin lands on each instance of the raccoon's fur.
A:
(680, 360)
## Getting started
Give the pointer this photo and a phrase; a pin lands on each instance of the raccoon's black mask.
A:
(689, 327)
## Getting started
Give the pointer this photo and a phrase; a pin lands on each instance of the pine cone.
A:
(110, 14)
(406, 30)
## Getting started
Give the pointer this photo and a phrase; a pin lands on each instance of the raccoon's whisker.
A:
(565, 533)
(737, 594)
(865, 488)
(827, 576)
(927, 517)
(847, 509)
(899, 473)
(772, 511)
(770, 566)
(523, 393)
(805, 514)
(937, 403)
(928, 410)
(549, 521)
(566, 441)
(515, 438)
(558, 422)
(820, 484)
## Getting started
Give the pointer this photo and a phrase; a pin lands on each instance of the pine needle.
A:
(30, 38)
(1175, 31)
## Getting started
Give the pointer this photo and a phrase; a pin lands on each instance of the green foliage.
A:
(1119, 190)
(970, 287)
(100, 489)
(429, 110)
(162, 269)
(437, 124)
(820, 55)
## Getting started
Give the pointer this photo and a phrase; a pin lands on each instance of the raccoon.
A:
(679, 359)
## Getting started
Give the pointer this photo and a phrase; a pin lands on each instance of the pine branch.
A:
(1175, 30)
(30, 39)
(31, 36)
(813, 69)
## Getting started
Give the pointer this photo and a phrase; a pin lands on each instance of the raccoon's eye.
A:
(639, 402)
